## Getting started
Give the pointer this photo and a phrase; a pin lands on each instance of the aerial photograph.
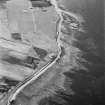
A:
(52, 52)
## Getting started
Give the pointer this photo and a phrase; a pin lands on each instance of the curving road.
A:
(35, 75)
